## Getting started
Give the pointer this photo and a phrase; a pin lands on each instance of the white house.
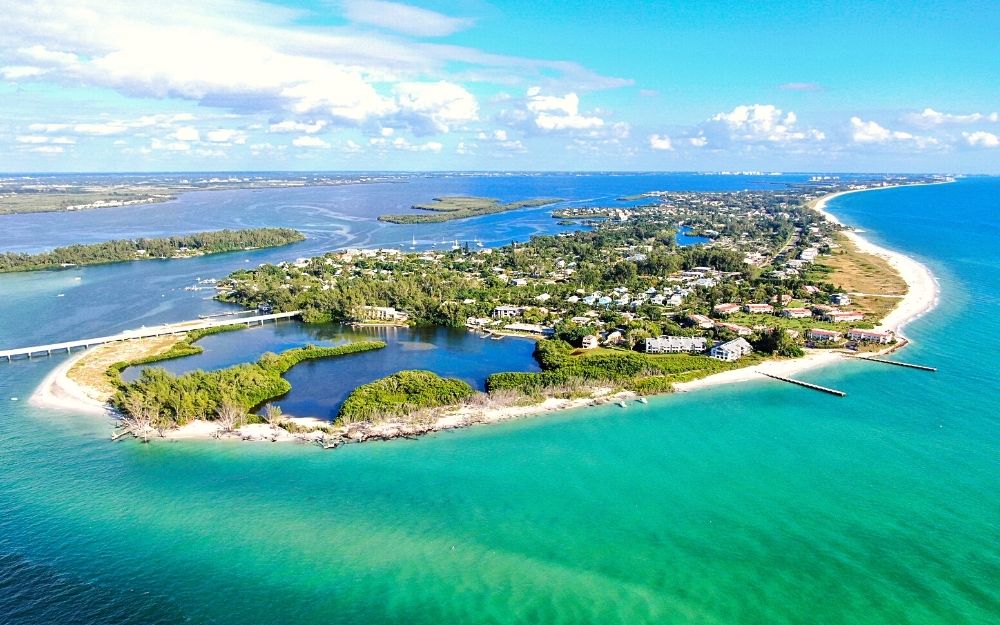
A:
(758, 308)
(796, 313)
(871, 336)
(701, 321)
(382, 313)
(505, 312)
(731, 350)
(843, 316)
(726, 309)
(823, 336)
(674, 344)
(590, 341)
(840, 299)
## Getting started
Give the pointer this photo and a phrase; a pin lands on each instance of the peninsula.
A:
(125, 250)
(462, 207)
(619, 311)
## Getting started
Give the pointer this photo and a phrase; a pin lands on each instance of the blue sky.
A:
(93, 85)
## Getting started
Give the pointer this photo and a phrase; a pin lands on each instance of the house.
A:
(731, 350)
(614, 338)
(701, 321)
(674, 344)
(506, 312)
(519, 281)
(870, 336)
(843, 316)
(840, 299)
(725, 309)
(785, 299)
(820, 309)
(544, 297)
(796, 313)
(530, 328)
(590, 341)
(736, 328)
(758, 308)
(823, 336)
(382, 313)
(810, 289)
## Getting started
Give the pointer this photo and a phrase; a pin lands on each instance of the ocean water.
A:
(754, 504)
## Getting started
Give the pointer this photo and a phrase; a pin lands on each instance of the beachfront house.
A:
(820, 335)
(871, 336)
(726, 309)
(843, 316)
(506, 312)
(674, 345)
(731, 351)
(382, 313)
(529, 328)
(796, 313)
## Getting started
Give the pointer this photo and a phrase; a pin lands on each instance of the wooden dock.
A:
(815, 387)
(141, 333)
(897, 363)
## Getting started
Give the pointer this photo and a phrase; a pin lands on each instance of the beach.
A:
(58, 391)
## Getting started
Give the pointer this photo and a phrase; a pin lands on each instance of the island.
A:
(462, 207)
(125, 250)
(619, 312)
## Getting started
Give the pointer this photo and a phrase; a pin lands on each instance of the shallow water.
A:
(759, 503)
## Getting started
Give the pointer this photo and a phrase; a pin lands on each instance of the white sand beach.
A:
(58, 392)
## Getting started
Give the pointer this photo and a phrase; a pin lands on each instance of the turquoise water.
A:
(757, 504)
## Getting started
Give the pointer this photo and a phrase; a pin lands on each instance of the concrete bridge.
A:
(142, 333)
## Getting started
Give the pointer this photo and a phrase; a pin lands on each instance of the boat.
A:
(623, 404)
(455, 245)
(643, 400)
(413, 243)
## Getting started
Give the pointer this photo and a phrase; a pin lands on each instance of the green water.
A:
(754, 504)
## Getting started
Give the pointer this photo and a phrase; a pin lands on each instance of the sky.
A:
(362, 85)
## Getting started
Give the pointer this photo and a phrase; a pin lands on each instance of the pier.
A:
(815, 387)
(897, 363)
(142, 333)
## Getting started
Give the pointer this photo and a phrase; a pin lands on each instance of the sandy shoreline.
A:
(57, 391)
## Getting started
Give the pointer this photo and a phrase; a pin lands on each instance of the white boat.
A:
(623, 404)
(643, 400)
(455, 245)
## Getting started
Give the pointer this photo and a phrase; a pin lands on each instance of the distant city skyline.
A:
(323, 85)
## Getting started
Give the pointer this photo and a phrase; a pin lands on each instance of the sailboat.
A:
(413, 243)
(455, 245)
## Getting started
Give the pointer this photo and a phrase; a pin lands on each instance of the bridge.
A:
(142, 333)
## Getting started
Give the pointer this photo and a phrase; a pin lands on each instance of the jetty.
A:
(815, 387)
(142, 333)
(898, 363)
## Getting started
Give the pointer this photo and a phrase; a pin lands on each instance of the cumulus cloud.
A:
(226, 135)
(403, 18)
(872, 132)
(294, 126)
(187, 133)
(307, 141)
(559, 112)
(762, 123)
(266, 62)
(660, 142)
(435, 107)
(928, 118)
(982, 139)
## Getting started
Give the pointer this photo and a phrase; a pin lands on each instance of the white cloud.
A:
(187, 133)
(226, 135)
(32, 139)
(47, 127)
(13, 72)
(99, 129)
(400, 143)
(294, 126)
(403, 18)
(172, 146)
(48, 149)
(700, 141)
(38, 139)
(764, 123)
(309, 142)
(982, 139)
(559, 112)
(660, 142)
(444, 105)
(872, 132)
(929, 118)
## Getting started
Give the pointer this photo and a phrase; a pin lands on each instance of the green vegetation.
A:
(186, 347)
(170, 400)
(643, 373)
(462, 207)
(401, 394)
(142, 249)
